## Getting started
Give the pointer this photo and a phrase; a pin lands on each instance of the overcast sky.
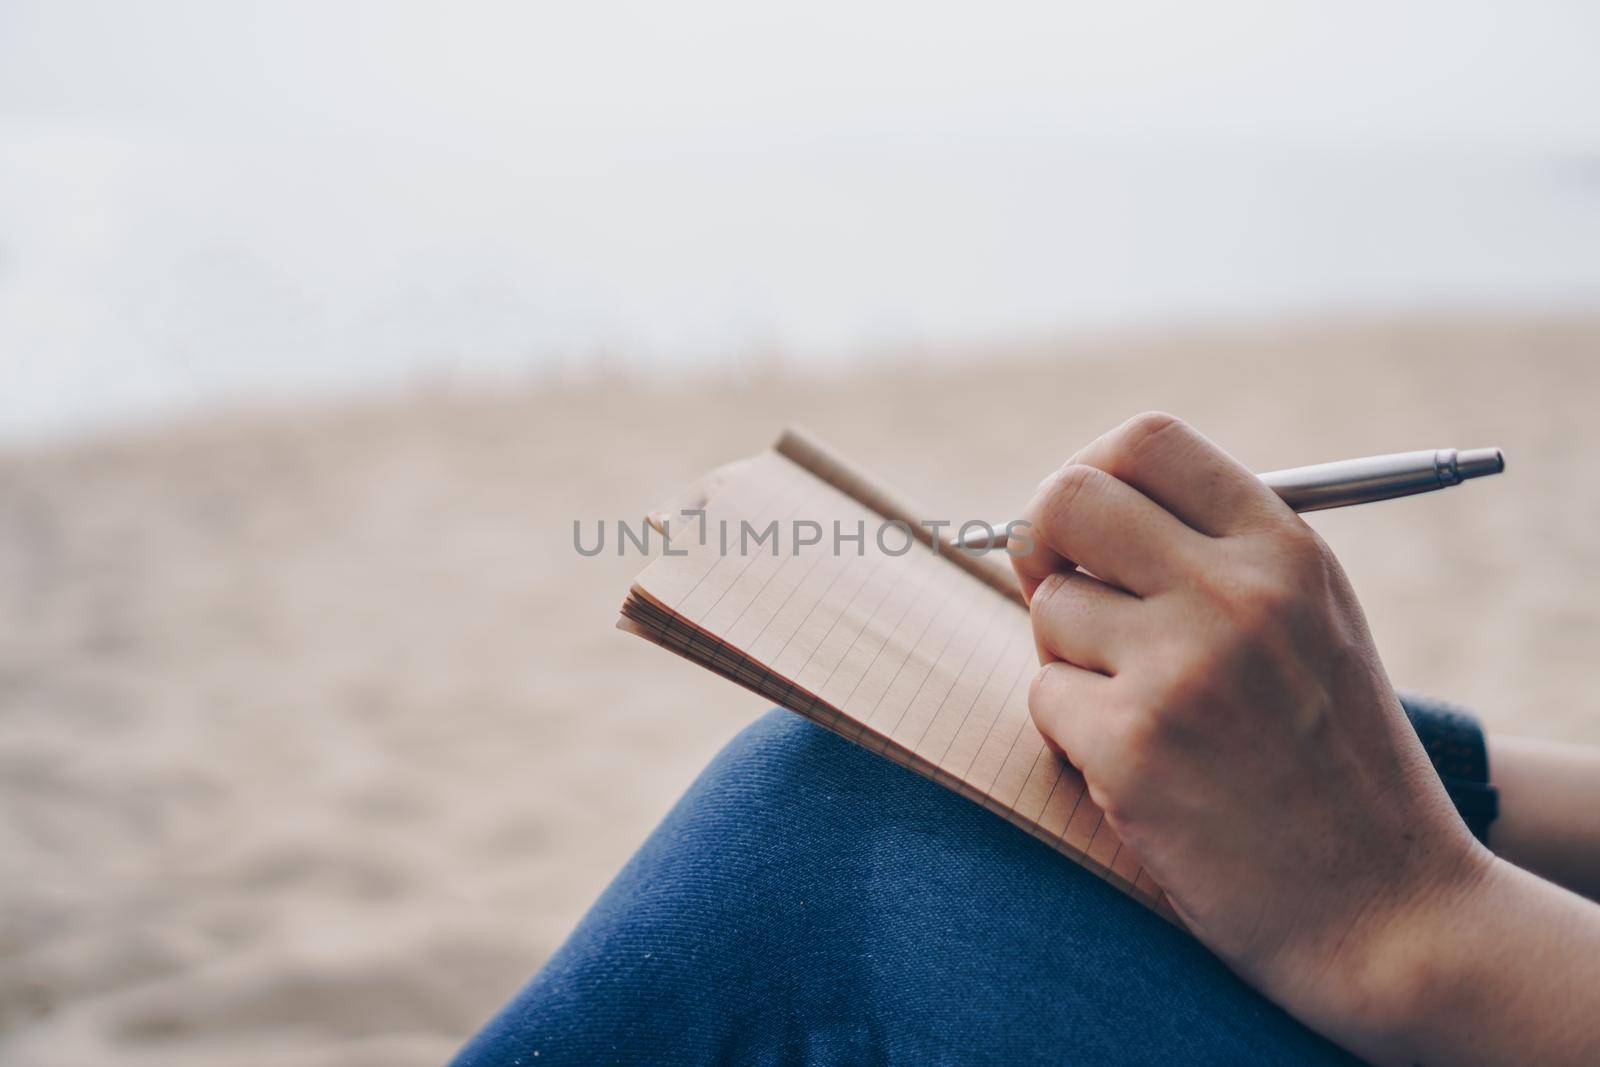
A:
(622, 72)
(209, 198)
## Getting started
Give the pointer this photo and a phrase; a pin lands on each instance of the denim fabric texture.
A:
(809, 902)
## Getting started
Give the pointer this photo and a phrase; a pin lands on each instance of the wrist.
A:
(1407, 970)
(1456, 746)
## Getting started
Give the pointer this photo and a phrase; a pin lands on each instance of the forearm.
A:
(1502, 969)
(1549, 819)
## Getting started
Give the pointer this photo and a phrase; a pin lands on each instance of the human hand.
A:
(1206, 666)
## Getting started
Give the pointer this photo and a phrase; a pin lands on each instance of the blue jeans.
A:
(810, 902)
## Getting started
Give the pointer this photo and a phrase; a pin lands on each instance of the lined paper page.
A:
(880, 640)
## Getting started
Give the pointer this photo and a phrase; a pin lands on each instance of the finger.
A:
(1080, 619)
(1084, 515)
(1071, 708)
(1175, 465)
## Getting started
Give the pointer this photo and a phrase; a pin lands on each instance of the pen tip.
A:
(1478, 462)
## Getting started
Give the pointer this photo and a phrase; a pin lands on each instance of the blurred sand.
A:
(316, 737)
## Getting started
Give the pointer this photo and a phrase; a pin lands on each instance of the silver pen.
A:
(1343, 482)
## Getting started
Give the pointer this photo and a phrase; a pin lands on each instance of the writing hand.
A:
(1207, 667)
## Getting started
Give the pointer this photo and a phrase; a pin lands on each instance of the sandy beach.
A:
(316, 736)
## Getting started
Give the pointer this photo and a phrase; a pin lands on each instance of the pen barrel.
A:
(1345, 482)
(1358, 481)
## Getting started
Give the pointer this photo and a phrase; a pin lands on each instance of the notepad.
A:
(797, 576)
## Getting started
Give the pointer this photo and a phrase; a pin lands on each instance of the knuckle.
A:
(1067, 485)
(1039, 693)
(1136, 747)
(1301, 549)
(1187, 685)
(1262, 600)
(1254, 623)
(1046, 710)
(1039, 608)
(1283, 583)
(1143, 733)
(1273, 582)
(1138, 435)
(1148, 424)
(1190, 676)
(1286, 536)
(1114, 794)
(1181, 685)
